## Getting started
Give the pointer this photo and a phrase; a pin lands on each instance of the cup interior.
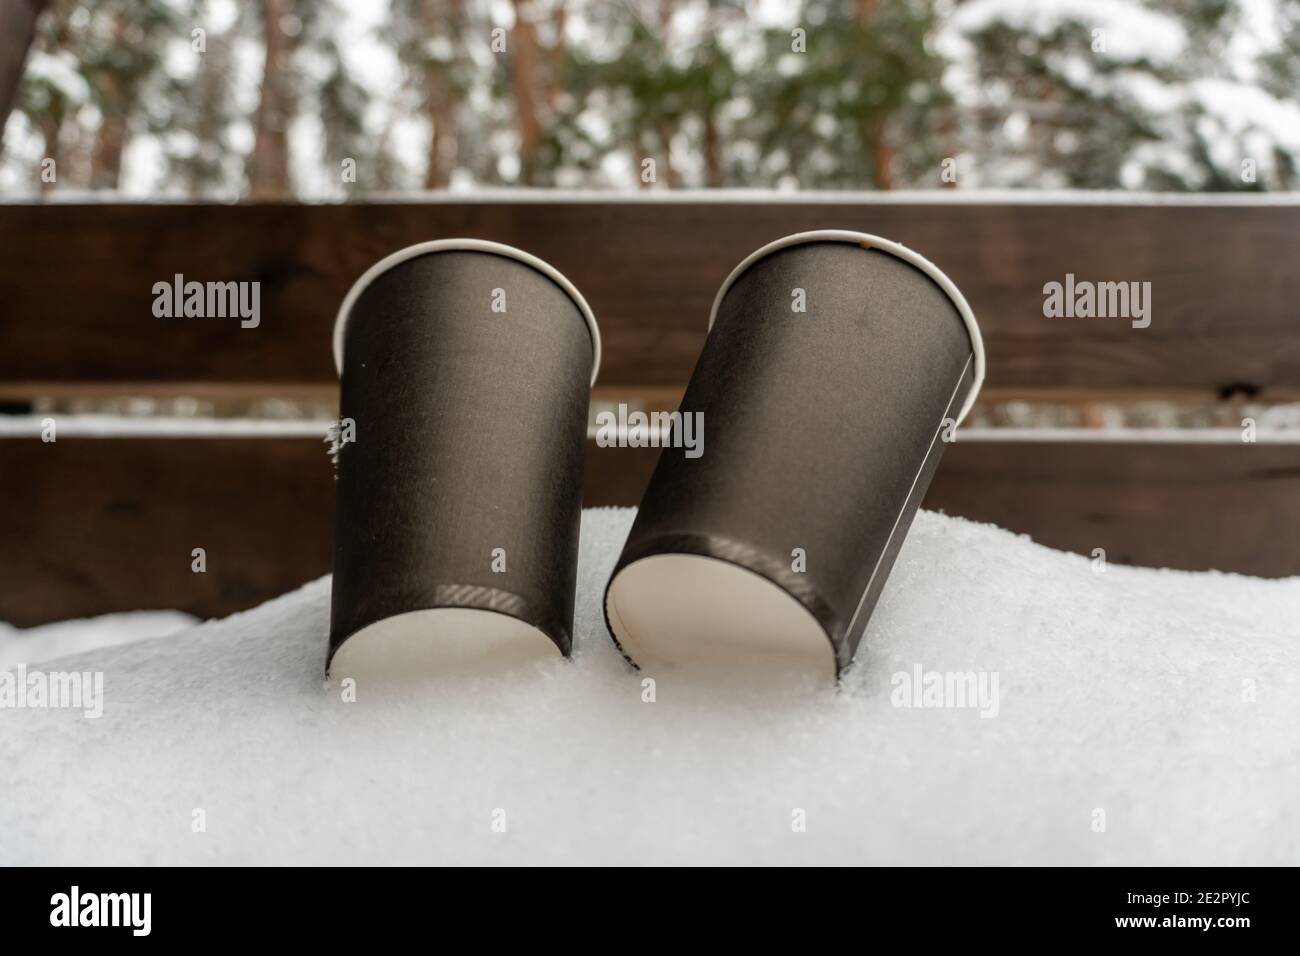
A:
(438, 642)
(692, 613)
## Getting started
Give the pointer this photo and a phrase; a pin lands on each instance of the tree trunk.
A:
(875, 137)
(50, 125)
(525, 63)
(665, 133)
(442, 108)
(17, 31)
(214, 67)
(442, 133)
(555, 55)
(712, 150)
(882, 154)
(268, 169)
(666, 8)
(106, 154)
(110, 137)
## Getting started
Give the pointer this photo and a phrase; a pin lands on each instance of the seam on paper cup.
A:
(868, 241)
(464, 245)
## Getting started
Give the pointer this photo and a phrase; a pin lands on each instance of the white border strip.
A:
(1145, 436)
(127, 426)
(160, 427)
(464, 245)
(143, 426)
(868, 241)
(900, 197)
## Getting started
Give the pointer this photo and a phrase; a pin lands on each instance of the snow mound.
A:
(1140, 717)
(27, 645)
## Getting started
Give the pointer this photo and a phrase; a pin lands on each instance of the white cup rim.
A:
(463, 245)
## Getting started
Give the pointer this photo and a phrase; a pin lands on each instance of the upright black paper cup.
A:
(824, 428)
(466, 369)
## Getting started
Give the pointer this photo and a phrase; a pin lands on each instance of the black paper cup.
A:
(824, 428)
(466, 369)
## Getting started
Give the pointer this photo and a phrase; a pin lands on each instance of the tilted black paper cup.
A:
(466, 369)
(824, 428)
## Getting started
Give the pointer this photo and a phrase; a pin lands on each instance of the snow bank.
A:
(1164, 705)
(32, 644)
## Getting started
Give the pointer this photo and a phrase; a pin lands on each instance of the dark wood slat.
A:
(96, 525)
(76, 280)
(1231, 507)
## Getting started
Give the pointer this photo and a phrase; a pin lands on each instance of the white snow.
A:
(1220, 102)
(61, 71)
(48, 641)
(1132, 31)
(1168, 701)
(1242, 109)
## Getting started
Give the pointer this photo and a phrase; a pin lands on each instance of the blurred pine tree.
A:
(813, 94)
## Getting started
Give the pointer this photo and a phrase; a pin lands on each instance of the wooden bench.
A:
(95, 524)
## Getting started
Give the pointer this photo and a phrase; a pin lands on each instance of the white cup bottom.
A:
(690, 613)
(439, 641)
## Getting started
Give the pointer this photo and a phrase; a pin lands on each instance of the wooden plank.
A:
(92, 525)
(1226, 506)
(95, 525)
(76, 281)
